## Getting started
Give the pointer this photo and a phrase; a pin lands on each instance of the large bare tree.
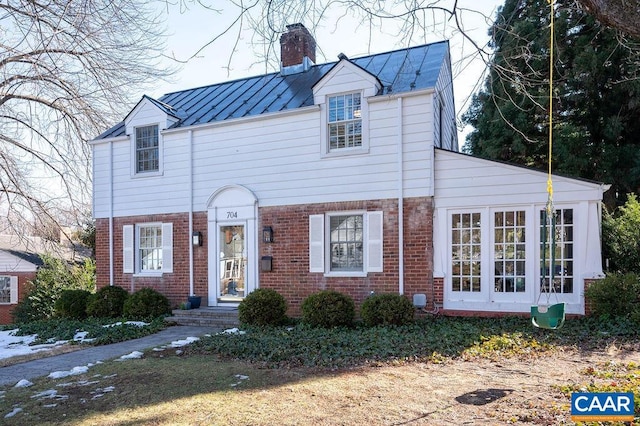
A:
(67, 72)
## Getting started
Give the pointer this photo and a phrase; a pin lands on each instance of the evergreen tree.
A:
(596, 97)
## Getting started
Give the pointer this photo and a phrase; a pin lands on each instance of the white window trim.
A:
(325, 151)
(138, 175)
(373, 243)
(131, 248)
(13, 290)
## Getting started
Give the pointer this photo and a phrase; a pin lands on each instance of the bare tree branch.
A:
(66, 73)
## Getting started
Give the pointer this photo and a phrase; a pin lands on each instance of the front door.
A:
(232, 245)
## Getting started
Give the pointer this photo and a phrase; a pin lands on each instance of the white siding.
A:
(278, 158)
(418, 145)
(146, 113)
(11, 263)
(444, 88)
(345, 77)
(464, 181)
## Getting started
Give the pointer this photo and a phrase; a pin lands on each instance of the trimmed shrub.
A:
(146, 304)
(328, 309)
(108, 302)
(617, 295)
(263, 306)
(72, 304)
(386, 309)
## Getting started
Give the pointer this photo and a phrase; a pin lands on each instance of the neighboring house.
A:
(19, 262)
(340, 176)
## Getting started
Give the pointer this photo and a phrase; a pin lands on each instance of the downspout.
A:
(400, 200)
(191, 292)
(111, 272)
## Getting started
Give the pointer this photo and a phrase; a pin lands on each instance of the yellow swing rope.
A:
(549, 208)
(549, 181)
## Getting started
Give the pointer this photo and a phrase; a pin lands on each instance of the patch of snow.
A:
(73, 372)
(23, 384)
(50, 393)
(78, 383)
(12, 345)
(132, 355)
(15, 411)
(184, 342)
(50, 405)
(234, 330)
(119, 323)
(241, 377)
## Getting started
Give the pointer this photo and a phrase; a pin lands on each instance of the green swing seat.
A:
(552, 319)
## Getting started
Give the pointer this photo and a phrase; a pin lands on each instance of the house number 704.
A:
(232, 215)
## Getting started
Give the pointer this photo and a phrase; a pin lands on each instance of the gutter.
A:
(191, 289)
(400, 200)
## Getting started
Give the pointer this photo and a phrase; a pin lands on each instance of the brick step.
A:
(222, 318)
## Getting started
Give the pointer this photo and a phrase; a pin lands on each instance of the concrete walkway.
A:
(29, 370)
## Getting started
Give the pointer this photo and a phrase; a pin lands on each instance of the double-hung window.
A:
(8, 289)
(147, 149)
(148, 248)
(345, 121)
(346, 243)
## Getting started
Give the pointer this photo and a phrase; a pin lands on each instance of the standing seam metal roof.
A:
(404, 70)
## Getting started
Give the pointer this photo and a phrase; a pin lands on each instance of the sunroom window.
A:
(466, 250)
(509, 251)
(562, 251)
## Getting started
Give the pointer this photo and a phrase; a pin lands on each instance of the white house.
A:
(340, 176)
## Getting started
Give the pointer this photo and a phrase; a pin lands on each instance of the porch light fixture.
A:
(196, 238)
(267, 234)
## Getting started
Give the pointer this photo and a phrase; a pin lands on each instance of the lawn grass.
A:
(305, 375)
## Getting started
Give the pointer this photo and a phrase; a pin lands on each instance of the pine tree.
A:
(596, 97)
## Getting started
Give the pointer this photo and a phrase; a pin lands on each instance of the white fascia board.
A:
(241, 120)
(107, 140)
(389, 96)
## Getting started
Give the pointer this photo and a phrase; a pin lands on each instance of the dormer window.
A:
(147, 149)
(345, 121)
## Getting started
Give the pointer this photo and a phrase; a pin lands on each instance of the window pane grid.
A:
(466, 252)
(346, 236)
(345, 121)
(563, 252)
(5, 289)
(150, 248)
(147, 149)
(509, 252)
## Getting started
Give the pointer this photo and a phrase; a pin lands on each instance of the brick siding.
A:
(290, 252)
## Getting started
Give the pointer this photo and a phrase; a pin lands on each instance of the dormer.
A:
(144, 126)
(343, 96)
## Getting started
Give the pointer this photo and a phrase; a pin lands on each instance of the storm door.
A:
(233, 262)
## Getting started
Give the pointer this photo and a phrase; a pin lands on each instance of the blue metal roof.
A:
(398, 71)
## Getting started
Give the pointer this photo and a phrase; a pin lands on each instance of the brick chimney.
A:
(297, 50)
